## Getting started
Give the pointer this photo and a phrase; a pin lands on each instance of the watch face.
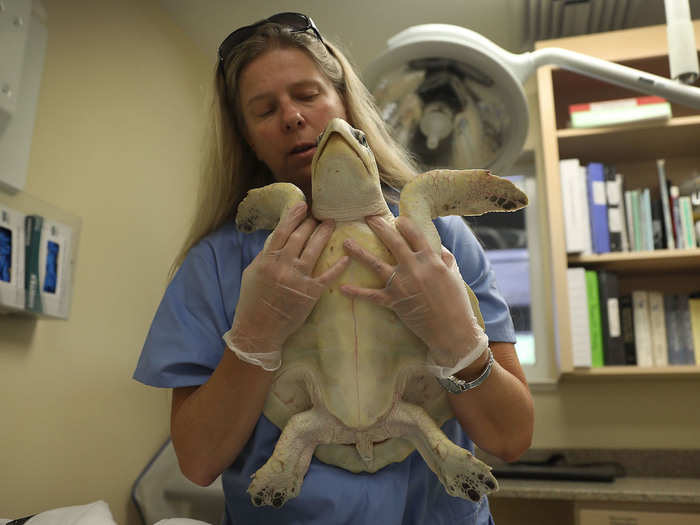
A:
(450, 384)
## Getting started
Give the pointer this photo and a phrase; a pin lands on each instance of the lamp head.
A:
(468, 80)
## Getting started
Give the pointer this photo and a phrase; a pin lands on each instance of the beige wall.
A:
(116, 144)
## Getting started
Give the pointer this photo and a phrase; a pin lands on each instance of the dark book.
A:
(627, 329)
(608, 297)
(613, 200)
(657, 225)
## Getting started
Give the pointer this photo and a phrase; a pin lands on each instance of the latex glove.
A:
(427, 293)
(278, 290)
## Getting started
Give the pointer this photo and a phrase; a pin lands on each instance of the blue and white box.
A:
(11, 259)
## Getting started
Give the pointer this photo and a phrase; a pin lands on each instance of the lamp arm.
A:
(617, 74)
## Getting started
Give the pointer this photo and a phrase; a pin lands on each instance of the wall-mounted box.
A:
(60, 231)
(48, 266)
(23, 37)
(11, 259)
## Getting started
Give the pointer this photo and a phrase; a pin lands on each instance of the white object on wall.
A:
(23, 37)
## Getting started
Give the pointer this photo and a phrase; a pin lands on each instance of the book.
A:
(629, 215)
(635, 199)
(663, 193)
(608, 295)
(646, 218)
(657, 320)
(642, 328)
(613, 198)
(676, 351)
(568, 173)
(627, 329)
(687, 223)
(598, 208)
(594, 319)
(619, 182)
(619, 111)
(685, 329)
(33, 225)
(657, 225)
(578, 317)
(676, 217)
(583, 211)
(694, 315)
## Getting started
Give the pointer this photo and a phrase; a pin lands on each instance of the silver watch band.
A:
(455, 385)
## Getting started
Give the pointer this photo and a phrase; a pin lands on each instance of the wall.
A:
(116, 142)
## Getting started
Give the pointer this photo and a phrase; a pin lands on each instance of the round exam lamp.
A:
(446, 57)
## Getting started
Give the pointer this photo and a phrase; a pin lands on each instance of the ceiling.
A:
(362, 27)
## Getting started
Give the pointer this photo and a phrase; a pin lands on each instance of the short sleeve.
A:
(479, 275)
(184, 344)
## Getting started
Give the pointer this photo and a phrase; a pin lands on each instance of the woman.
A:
(278, 84)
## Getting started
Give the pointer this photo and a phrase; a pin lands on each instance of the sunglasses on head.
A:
(296, 22)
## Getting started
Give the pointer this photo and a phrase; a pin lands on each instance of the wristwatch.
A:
(455, 385)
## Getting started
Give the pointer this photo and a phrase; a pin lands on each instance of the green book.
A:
(595, 322)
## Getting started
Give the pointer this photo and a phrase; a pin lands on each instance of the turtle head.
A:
(345, 181)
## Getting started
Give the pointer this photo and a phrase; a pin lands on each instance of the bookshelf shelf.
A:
(612, 371)
(681, 137)
(642, 261)
(633, 150)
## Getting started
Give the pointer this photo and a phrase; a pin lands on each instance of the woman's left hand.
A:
(424, 289)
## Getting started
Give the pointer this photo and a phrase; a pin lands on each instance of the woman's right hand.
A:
(278, 290)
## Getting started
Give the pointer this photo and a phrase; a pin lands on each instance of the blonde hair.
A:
(231, 168)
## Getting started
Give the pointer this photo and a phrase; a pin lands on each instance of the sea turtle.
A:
(353, 388)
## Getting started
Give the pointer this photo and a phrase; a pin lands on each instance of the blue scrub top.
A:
(184, 346)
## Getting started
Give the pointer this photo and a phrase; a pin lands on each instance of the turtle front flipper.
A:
(262, 208)
(439, 193)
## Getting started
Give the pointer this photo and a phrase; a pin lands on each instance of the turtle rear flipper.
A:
(439, 193)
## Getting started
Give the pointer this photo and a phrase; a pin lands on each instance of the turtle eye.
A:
(360, 137)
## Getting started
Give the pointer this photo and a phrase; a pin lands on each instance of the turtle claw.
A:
(272, 488)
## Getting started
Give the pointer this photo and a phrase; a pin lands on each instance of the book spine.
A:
(663, 192)
(32, 227)
(673, 338)
(629, 214)
(676, 216)
(627, 327)
(598, 208)
(642, 328)
(613, 202)
(694, 314)
(657, 225)
(659, 348)
(568, 171)
(619, 182)
(579, 317)
(637, 220)
(608, 293)
(685, 329)
(646, 219)
(591, 119)
(584, 210)
(594, 319)
(686, 211)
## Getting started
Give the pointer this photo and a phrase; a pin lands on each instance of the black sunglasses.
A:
(296, 22)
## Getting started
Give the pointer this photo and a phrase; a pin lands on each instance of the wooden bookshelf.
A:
(667, 261)
(633, 149)
(637, 371)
